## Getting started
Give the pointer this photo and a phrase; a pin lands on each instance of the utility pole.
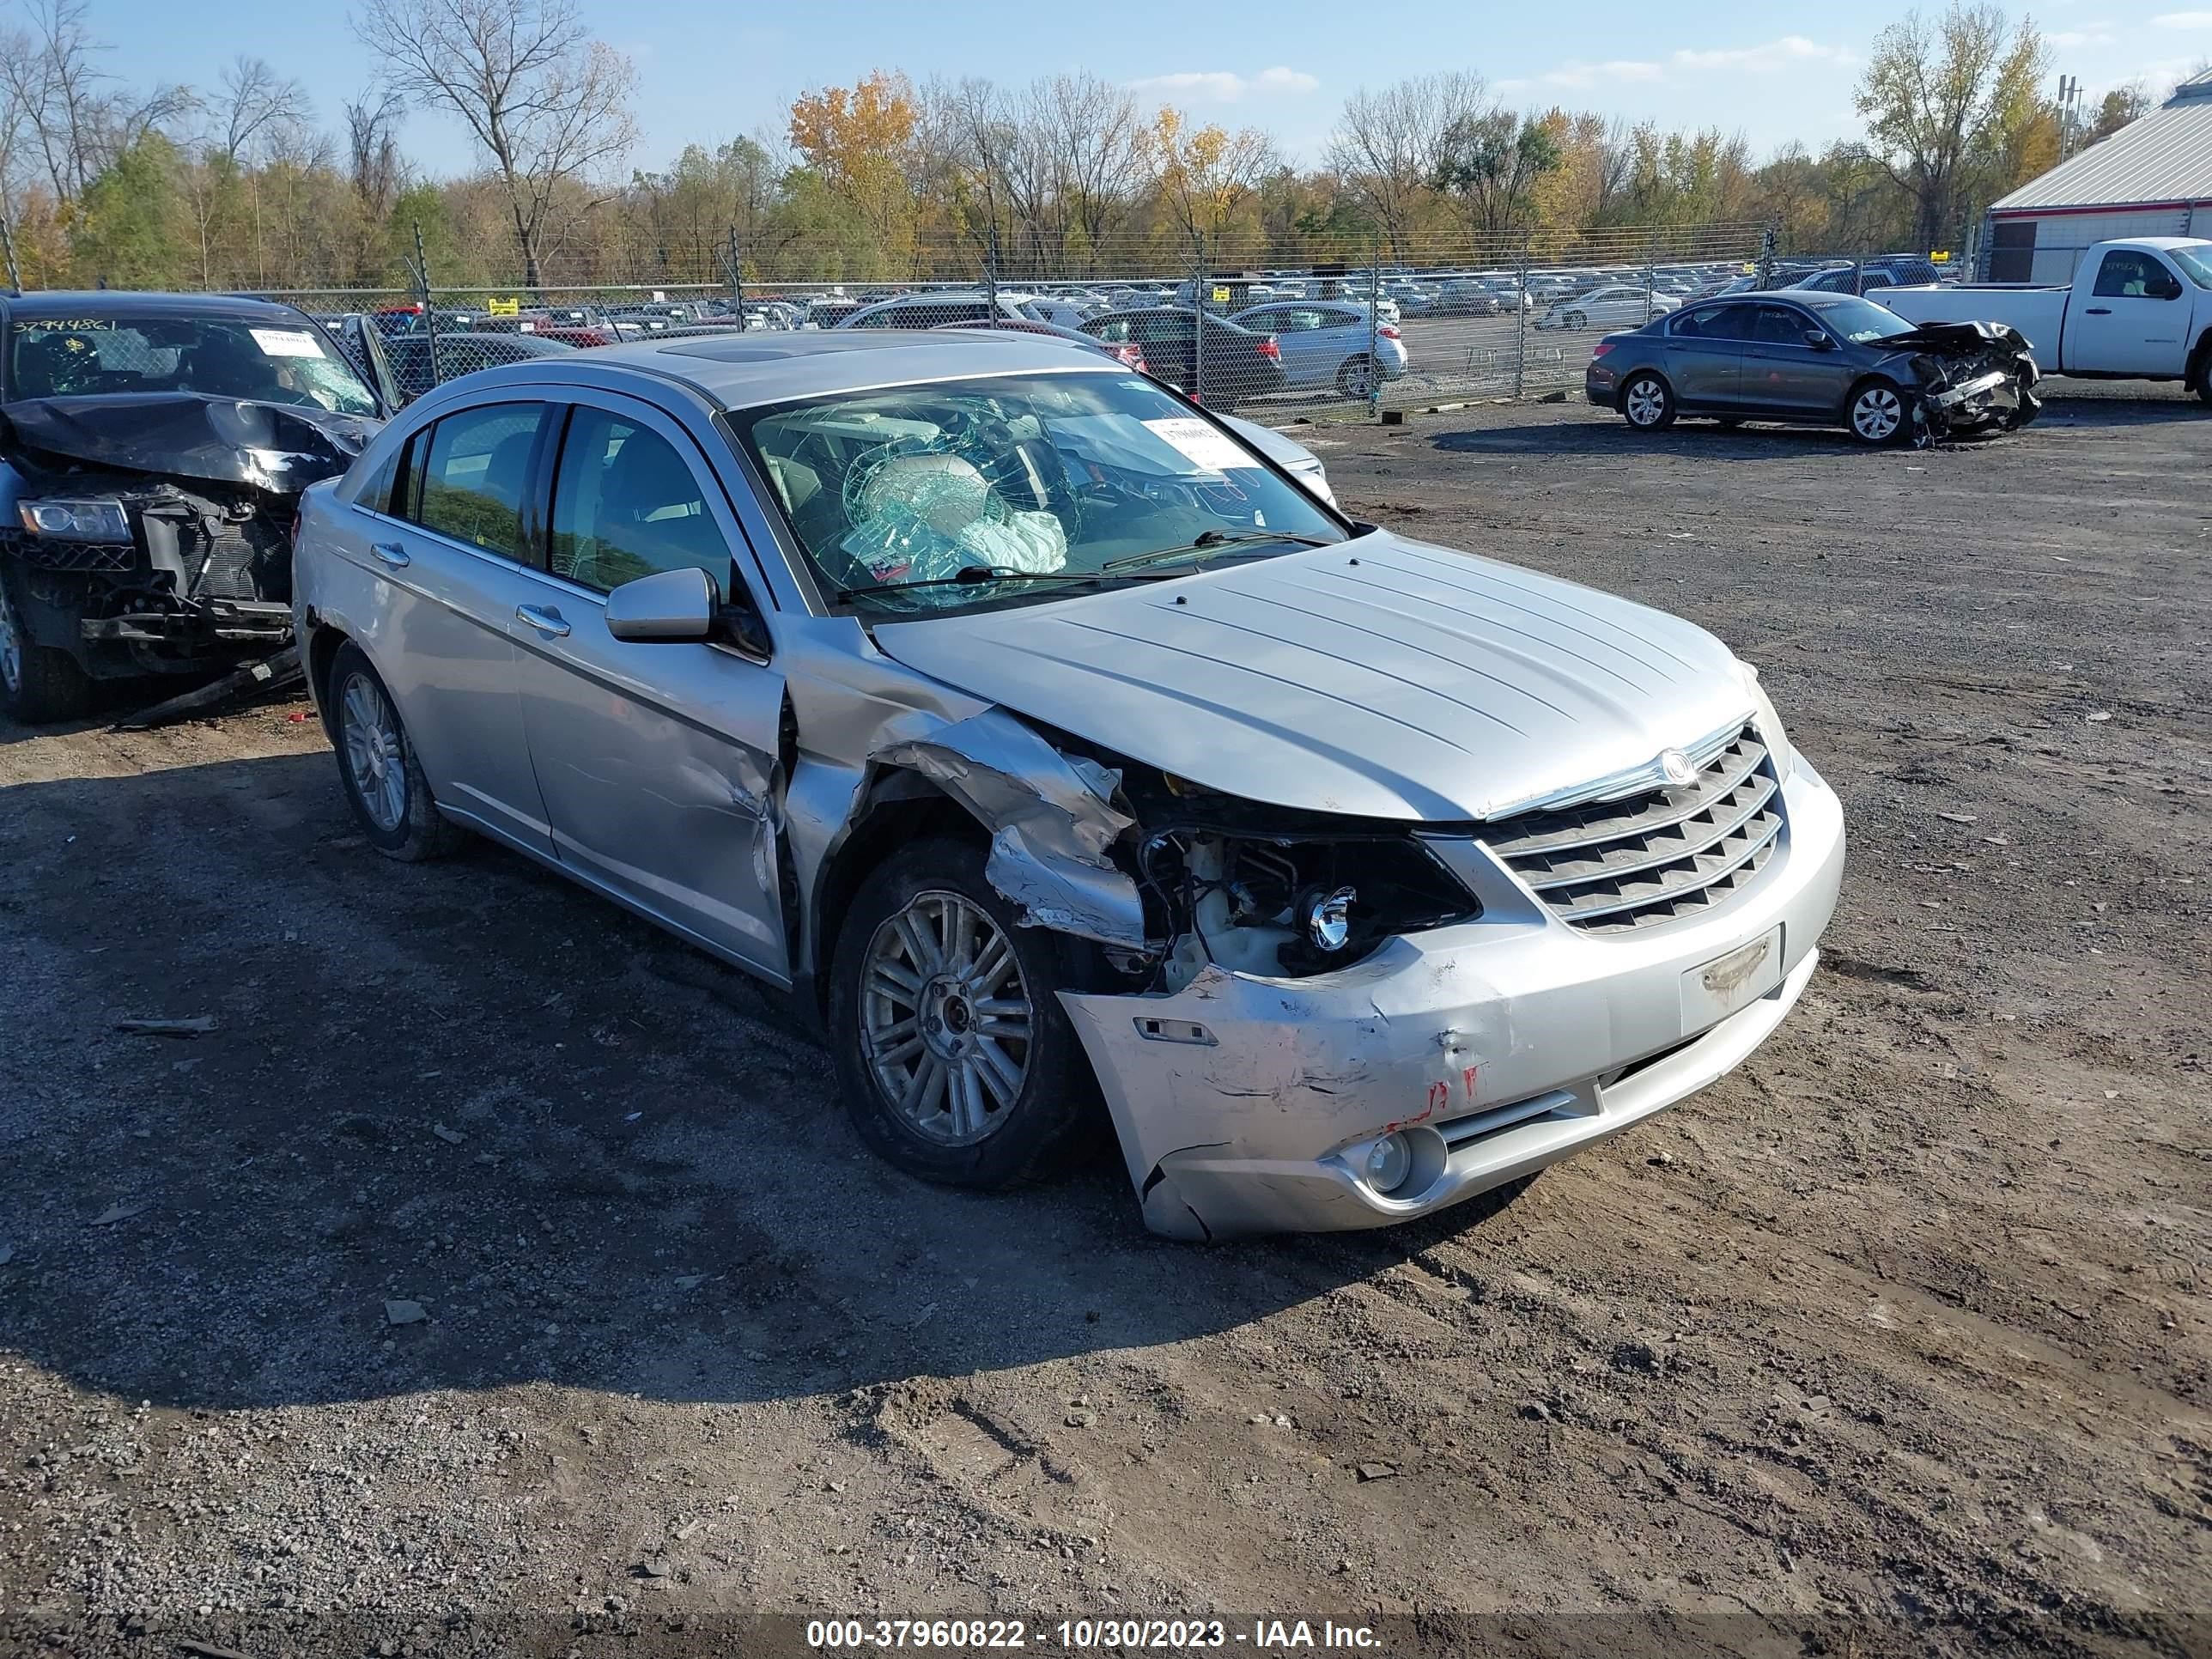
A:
(422, 275)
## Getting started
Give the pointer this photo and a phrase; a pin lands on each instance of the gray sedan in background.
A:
(1814, 359)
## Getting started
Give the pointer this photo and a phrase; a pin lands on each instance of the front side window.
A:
(625, 504)
(282, 359)
(892, 494)
(475, 474)
(2127, 274)
(1780, 325)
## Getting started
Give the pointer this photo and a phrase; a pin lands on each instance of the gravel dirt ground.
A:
(499, 1275)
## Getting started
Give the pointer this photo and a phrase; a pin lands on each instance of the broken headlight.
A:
(76, 521)
(1292, 901)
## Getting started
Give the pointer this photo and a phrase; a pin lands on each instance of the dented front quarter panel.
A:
(1239, 1099)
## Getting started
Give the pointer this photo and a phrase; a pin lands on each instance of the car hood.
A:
(1955, 339)
(1380, 677)
(280, 447)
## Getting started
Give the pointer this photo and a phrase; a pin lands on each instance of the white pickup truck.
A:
(2139, 309)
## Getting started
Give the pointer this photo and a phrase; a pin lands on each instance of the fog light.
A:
(1390, 1161)
(1328, 919)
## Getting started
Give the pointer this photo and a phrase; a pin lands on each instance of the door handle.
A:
(2098, 311)
(391, 555)
(546, 622)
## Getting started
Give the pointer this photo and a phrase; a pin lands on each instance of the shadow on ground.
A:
(583, 1152)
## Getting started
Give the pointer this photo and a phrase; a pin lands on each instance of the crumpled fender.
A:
(1051, 818)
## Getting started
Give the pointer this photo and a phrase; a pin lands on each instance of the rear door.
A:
(448, 554)
(2135, 319)
(1781, 374)
(1704, 348)
(658, 761)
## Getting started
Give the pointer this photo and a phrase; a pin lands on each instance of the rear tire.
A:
(39, 684)
(1647, 401)
(378, 769)
(1355, 381)
(912, 1011)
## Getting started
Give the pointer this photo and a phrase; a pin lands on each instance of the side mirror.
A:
(2168, 289)
(1818, 339)
(668, 607)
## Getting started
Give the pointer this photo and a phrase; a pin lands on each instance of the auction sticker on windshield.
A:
(286, 341)
(1204, 447)
(1711, 994)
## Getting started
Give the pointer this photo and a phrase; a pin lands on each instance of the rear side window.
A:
(475, 475)
(1711, 323)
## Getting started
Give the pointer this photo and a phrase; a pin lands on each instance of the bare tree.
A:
(1387, 145)
(1098, 139)
(78, 120)
(252, 100)
(373, 163)
(546, 102)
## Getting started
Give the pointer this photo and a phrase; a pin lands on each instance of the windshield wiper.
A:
(1207, 540)
(974, 576)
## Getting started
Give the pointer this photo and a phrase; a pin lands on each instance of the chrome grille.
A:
(1651, 856)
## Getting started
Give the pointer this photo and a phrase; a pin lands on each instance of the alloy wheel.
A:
(11, 644)
(946, 1018)
(375, 751)
(1646, 402)
(1877, 414)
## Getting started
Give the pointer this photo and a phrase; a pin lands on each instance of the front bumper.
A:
(1247, 1104)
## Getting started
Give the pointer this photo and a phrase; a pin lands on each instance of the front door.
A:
(2134, 320)
(1784, 375)
(448, 557)
(658, 761)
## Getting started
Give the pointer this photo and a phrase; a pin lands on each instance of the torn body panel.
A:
(1051, 819)
(1251, 1103)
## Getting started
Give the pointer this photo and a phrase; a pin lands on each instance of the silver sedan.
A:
(1062, 755)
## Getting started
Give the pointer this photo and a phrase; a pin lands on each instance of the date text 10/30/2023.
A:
(1265, 1635)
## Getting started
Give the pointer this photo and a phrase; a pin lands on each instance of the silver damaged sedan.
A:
(1058, 751)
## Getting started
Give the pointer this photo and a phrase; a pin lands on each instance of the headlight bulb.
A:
(1328, 919)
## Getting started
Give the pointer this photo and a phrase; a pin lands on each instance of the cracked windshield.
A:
(965, 494)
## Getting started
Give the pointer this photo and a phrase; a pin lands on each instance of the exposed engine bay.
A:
(152, 535)
(1971, 375)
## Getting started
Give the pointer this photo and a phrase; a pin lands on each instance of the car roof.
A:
(746, 370)
(120, 304)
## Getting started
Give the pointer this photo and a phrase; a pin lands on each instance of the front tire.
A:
(1576, 319)
(378, 768)
(954, 1059)
(2204, 378)
(1879, 414)
(39, 684)
(1647, 402)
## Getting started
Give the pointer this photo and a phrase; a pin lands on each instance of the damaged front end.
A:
(1971, 376)
(153, 535)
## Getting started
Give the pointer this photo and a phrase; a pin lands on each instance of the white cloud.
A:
(1225, 86)
(2097, 34)
(1765, 58)
(2183, 20)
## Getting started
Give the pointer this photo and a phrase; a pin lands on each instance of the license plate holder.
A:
(1731, 982)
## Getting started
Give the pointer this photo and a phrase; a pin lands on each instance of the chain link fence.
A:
(1274, 329)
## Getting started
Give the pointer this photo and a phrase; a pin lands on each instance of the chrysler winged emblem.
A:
(1676, 765)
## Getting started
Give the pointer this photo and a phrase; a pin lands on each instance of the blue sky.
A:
(712, 69)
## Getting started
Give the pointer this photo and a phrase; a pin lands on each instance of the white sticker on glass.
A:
(286, 341)
(1205, 448)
